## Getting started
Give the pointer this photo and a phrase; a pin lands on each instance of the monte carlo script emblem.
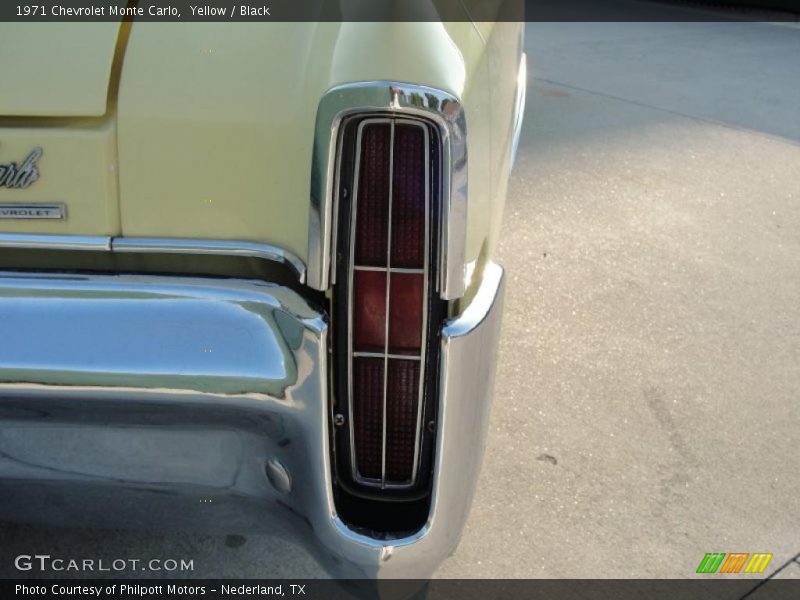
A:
(20, 175)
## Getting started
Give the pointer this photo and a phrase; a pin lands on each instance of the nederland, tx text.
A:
(58, 589)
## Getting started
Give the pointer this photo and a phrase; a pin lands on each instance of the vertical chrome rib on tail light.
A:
(387, 262)
(440, 109)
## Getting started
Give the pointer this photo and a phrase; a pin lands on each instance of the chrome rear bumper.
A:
(202, 404)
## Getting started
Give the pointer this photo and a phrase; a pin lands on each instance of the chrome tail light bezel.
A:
(434, 311)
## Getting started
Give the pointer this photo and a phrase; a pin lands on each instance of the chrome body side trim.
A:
(362, 98)
(189, 389)
(519, 105)
(35, 241)
(213, 247)
(155, 246)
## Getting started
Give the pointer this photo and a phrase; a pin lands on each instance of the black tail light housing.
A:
(387, 313)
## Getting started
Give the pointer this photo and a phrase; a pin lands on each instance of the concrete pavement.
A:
(647, 400)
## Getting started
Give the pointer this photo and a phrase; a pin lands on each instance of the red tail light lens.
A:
(405, 313)
(401, 419)
(388, 292)
(368, 415)
(409, 188)
(369, 311)
(372, 223)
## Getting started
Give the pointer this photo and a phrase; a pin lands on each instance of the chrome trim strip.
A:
(35, 241)
(99, 243)
(357, 476)
(390, 355)
(425, 299)
(519, 106)
(211, 247)
(441, 108)
(350, 283)
(388, 301)
(388, 269)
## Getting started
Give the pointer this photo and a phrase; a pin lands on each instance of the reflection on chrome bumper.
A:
(194, 403)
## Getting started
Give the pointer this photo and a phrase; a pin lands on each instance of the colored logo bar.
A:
(734, 562)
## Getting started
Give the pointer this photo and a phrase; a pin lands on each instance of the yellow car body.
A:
(164, 142)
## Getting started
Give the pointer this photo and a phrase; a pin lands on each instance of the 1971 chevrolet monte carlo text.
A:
(246, 277)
